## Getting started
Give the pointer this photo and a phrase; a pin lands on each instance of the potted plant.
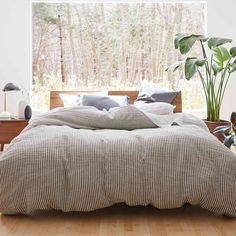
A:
(229, 131)
(214, 70)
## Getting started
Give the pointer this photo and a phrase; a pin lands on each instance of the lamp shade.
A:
(11, 87)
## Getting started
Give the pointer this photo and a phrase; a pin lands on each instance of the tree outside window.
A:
(111, 46)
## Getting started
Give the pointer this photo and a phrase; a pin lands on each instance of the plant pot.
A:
(213, 124)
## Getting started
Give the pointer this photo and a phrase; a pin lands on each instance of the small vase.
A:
(28, 112)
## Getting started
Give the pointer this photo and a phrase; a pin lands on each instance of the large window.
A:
(111, 45)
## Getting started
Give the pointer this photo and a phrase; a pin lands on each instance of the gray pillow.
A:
(150, 92)
(167, 97)
(100, 102)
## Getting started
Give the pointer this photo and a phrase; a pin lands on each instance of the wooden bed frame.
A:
(55, 100)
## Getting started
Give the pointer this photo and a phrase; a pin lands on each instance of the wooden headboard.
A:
(55, 100)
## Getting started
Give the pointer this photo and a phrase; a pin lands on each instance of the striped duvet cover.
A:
(84, 159)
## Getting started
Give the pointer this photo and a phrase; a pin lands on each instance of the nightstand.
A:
(9, 129)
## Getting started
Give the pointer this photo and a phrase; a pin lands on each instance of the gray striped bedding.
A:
(82, 159)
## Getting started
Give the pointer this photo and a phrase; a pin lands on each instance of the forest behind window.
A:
(101, 46)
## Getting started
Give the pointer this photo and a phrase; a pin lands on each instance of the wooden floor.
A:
(120, 220)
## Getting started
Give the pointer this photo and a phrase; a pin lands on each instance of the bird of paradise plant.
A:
(214, 67)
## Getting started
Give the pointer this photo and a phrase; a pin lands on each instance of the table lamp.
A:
(7, 88)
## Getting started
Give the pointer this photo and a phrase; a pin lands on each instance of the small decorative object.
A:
(214, 69)
(21, 109)
(7, 88)
(28, 112)
(228, 131)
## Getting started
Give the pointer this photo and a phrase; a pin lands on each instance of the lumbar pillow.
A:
(102, 102)
(157, 108)
(150, 92)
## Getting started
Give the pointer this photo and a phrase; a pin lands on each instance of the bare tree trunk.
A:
(125, 47)
(143, 70)
(154, 44)
(177, 55)
(61, 50)
(85, 64)
(94, 55)
(134, 52)
(171, 19)
(159, 54)
(109, 50)
(38, 48)
(72, 43)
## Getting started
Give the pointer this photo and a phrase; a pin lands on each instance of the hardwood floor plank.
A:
(120, 220)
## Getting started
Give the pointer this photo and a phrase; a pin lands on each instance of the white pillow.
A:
(156, 108)
(121, 100)
(150, 88)
(71, 100)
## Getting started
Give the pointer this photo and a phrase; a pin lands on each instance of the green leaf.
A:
(216, 69)
(191, 66)
(177, 38)
(233, 118)
(229, 140)
(221, 54)
(221, 129)
(232, 51)
(186, 43)
(200, 62)
(175, 66)
(232, 67)
(215, 42)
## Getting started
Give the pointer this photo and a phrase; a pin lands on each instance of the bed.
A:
(82, 159)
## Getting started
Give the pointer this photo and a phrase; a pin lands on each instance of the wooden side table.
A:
(9, 129)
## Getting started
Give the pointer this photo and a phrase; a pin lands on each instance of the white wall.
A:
(15, 44)
(14, 47)
(221, 22)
